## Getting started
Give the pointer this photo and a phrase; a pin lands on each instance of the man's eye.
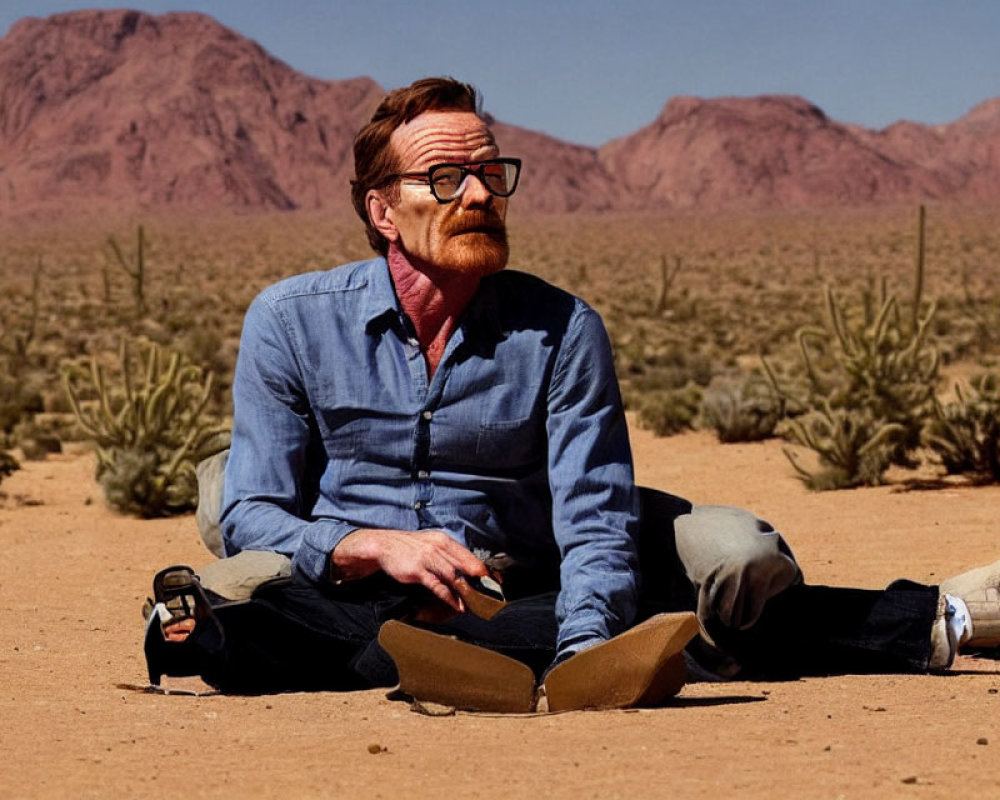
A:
(446, 178)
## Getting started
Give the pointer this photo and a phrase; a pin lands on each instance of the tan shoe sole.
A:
(479, 603)
(641, 667)
(442, 669)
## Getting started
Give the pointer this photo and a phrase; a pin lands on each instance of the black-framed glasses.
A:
(498, 175)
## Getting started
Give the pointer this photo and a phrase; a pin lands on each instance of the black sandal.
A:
(178, 595)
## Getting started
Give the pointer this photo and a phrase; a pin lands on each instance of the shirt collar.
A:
(380, 305)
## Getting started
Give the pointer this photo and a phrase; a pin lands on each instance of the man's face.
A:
(466, 235)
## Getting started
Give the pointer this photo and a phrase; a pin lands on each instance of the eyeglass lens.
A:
(498, 177)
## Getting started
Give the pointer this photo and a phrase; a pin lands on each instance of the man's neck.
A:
(432, 298)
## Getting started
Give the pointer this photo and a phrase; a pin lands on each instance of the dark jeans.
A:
(296, 635)
(293, 636)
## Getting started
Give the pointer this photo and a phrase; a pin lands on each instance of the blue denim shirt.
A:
(518, 443)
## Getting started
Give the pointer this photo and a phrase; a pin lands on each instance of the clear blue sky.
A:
(590, 70)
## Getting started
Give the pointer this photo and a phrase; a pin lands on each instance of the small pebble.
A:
(982, 740)
(911, 779)
(375, 748)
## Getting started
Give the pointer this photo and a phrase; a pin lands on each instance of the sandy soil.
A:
(73, 576)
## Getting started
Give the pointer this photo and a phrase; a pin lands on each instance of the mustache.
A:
(478, 220)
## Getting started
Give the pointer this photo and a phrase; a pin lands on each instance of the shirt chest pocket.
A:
(510, 444)
(510, 430)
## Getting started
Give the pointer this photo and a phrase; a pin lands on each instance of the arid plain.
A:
(74, 572)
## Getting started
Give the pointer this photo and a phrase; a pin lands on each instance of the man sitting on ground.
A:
(408, 426)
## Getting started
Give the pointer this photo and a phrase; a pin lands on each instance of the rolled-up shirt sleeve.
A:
(264, 504)
(593, 491)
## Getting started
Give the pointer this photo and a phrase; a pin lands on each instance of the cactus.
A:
(867, 390)
(854, 448)
(918, 283)
(965, 434)
(150, 432)
(136, 272)
(667, 278)
(890, 371)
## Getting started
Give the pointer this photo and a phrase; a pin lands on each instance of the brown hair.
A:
(374, 161)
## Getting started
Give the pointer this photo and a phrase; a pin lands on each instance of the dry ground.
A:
(73, 576)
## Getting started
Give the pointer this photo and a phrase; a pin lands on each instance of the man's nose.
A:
(473, 191)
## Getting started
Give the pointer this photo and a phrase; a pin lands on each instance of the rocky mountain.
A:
(120, 107)
(127, 110)
(782, 151)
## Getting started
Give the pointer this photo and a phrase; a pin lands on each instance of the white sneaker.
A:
(952, 628)
(980, 590)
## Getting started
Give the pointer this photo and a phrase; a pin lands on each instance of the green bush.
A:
(149, 428)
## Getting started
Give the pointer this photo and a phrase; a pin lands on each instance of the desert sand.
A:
(74, 574)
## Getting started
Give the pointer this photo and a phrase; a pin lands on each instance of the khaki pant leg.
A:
(735, 561)
(211, 477)
(236, 577)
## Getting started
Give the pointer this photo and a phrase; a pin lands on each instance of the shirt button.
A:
(412, 342)
(418, 505)
(428, 415)
(423, 474)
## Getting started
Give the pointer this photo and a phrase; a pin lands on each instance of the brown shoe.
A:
(442, 669)
(980, 590)
(641, 667)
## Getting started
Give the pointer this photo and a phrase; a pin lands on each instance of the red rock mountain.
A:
(125, 109)
(122, 107)
(781, 151)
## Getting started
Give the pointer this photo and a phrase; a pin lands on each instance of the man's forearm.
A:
(261, 525)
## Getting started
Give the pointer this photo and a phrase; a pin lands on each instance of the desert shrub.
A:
(42, 434)
(149, 428)
(670, 367)
(744, 409)
(203, 346)
(18, 401)
(867, 388)
(965, 433)
(670, 411)
(8, 464)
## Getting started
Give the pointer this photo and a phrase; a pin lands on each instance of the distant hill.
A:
(125, 110)
(778, 151)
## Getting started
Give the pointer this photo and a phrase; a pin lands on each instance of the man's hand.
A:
(430, 558)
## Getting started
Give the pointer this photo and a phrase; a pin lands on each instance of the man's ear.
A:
(380, 215)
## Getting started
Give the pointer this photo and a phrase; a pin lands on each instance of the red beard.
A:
(475, 242)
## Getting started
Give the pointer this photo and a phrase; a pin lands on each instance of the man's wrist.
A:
(353, 557)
